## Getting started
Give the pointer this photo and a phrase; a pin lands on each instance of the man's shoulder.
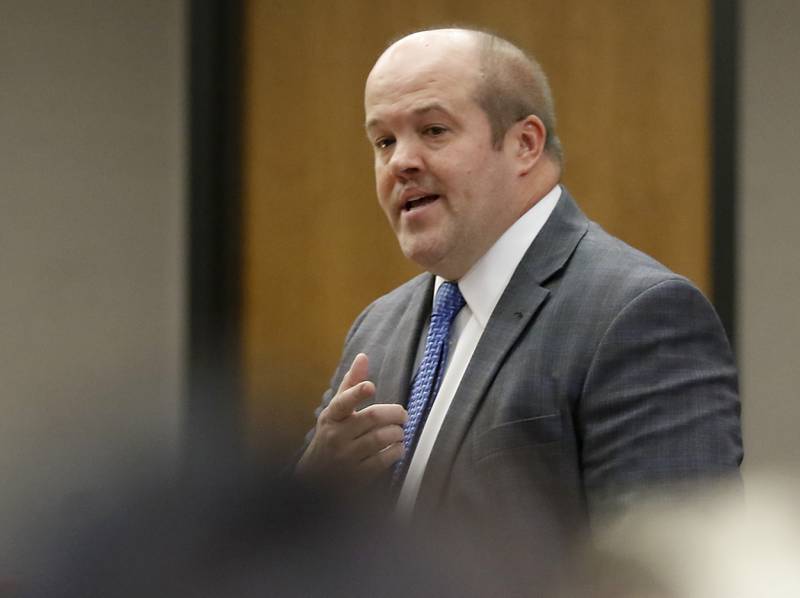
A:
(385, 312)
(612, 262)
(397, 300)
(401, 295)
(597, 258)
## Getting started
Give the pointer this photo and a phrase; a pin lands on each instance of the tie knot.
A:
(448, 301)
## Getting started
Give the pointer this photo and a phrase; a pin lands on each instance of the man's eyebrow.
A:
(432, 107)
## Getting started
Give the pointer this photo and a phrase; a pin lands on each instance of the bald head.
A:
(509, 84)
(454, 41)
(436, 54)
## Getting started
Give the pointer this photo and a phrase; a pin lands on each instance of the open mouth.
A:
(413, 204)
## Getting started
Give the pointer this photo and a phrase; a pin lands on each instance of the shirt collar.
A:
(485, 282)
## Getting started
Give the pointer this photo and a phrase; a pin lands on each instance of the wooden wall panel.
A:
(631, 83)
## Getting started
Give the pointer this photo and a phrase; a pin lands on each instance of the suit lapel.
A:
(515, 311)
(393, 381)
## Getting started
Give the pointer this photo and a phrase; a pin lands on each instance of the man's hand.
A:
(358, 444)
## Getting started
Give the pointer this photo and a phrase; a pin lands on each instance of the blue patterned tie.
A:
(431, 369)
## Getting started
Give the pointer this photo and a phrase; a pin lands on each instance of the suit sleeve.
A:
(660, 401)
(348, 355)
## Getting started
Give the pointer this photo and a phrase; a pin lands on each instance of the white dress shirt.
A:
(482, 286)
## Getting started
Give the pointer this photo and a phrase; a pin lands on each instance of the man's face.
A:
(441, 183)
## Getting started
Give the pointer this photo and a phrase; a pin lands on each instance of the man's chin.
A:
(426, 256)
(434, 261)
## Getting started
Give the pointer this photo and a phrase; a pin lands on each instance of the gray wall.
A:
(92, 140)
(769, 243)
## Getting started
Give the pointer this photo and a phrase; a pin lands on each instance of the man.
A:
(578, 371)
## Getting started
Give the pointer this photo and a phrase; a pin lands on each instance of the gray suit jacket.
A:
(599, 373)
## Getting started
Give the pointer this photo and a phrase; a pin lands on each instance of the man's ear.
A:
(529, 137)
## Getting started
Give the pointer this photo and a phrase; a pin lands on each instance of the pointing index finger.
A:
(357, 373)
(354, 388)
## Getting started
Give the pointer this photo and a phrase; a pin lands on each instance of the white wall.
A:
(92, 139)
(769, 271)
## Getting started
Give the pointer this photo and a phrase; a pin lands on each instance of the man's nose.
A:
(406, 159)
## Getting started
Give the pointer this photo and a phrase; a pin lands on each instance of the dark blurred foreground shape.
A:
(241, 533)
(248, 534)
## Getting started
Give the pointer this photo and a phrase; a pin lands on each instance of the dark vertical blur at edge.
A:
(213, 415)
(725, 63)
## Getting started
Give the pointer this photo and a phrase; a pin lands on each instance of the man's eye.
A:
(384, 142)
(435, 130)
